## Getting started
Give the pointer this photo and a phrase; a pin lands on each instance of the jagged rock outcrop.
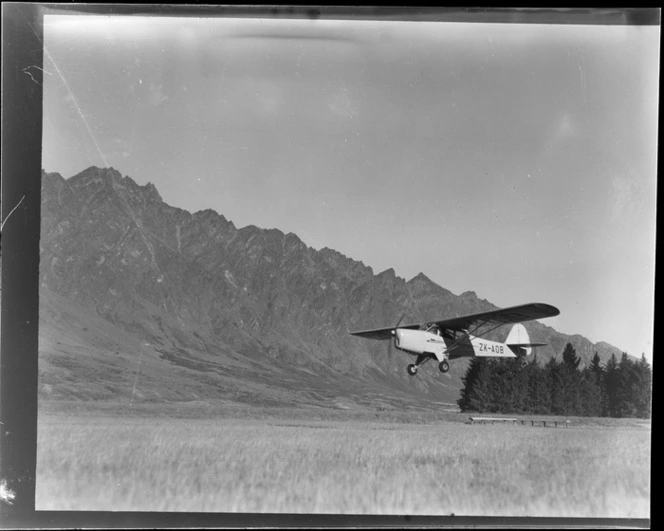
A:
(240, 306)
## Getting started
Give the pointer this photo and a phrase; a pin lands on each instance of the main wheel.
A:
(444, 366)
(412, 369)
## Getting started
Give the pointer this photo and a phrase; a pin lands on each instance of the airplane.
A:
(454, 338)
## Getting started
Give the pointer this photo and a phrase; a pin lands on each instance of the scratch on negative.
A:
(78, 107)
(25, 71)
(2, 225)
(7, 495)
(138, 373)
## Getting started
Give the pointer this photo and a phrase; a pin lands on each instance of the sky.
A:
(518, 161)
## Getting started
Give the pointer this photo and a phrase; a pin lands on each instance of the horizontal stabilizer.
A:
(526, 345)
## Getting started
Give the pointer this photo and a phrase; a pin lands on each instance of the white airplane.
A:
(453, 338)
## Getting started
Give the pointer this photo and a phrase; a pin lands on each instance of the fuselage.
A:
(422, 342)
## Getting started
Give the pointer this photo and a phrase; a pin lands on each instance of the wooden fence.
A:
(523, 422)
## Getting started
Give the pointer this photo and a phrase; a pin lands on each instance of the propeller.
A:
(390, 343)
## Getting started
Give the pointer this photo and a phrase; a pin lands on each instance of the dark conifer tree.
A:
(515, 385)
(500, 387)
(554, 376)
(611, 387)
(627, 383)
(539, 394)
(503, 379)
(570, 381)
(599, 377)
(518, 370)
(643, 396)
(469, 380)
(570, 359)
(590, 394)
(596, 368)
(482, 395)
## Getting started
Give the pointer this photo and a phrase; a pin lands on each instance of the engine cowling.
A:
(420, 342)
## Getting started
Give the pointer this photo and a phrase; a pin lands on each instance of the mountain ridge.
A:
(197, 293)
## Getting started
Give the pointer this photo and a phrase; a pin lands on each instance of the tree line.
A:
(514, 385)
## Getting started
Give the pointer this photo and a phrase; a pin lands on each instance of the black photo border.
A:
(22, 63)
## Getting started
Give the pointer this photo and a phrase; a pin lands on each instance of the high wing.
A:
(382, 333)
(502, 316)
(514, 314)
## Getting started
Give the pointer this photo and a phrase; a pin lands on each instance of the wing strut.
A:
(473, 332)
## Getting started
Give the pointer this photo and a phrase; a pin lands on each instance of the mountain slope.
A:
(191, 307)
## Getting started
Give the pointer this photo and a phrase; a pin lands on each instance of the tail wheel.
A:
(444, 366)
(412, 369)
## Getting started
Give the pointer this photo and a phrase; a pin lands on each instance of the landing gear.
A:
(421, 360)
(443, 366)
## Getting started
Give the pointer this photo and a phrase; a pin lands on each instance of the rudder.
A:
(519, 342)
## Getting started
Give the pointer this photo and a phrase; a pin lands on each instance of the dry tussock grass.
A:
(341, 468)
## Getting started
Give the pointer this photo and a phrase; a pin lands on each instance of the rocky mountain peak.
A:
(152, 192)
(110, 179)
(420, 277)
(209, 216)
(93, 175)
(388, 273)
(206, 294)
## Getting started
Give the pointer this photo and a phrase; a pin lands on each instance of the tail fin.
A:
(519, 342)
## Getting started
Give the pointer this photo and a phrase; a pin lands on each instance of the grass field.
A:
(116, 463)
